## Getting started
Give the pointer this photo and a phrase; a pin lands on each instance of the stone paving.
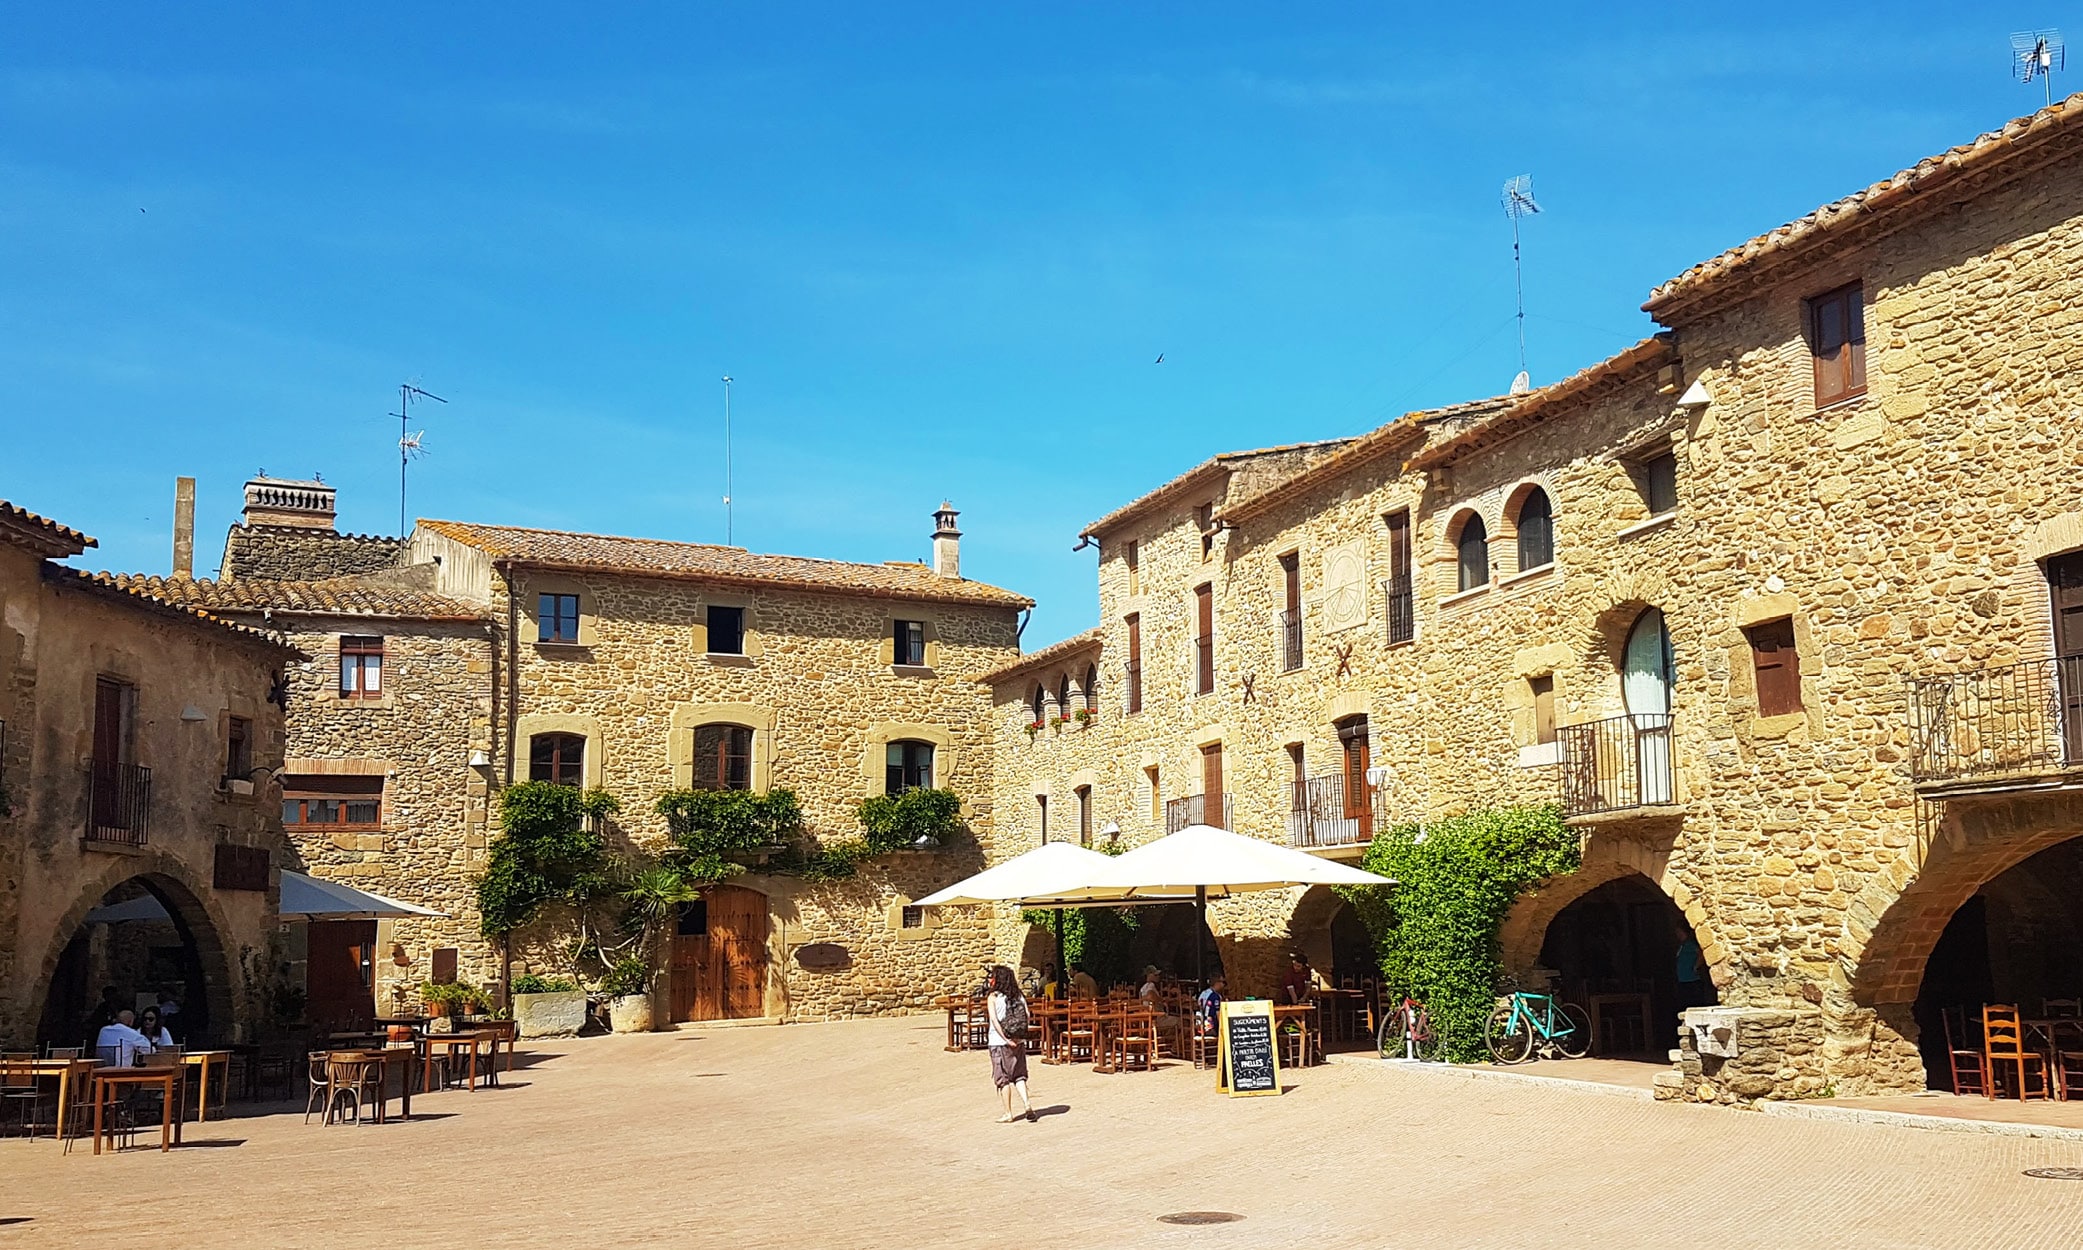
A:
(868, 1134)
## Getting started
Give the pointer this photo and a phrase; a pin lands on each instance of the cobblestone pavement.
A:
(868, 1134)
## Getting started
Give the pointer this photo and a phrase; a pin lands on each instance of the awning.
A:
(314, 898)
(1053, 873)
(1203, 858)
(143, 907)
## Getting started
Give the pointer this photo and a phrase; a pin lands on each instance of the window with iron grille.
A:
(912, 917)
(1403, 620)
(556, 618)
(361, 667)
(1132, 671)
(1536, 526)
(316, 801)
(722, 757)
(908, 643)
(240, 868)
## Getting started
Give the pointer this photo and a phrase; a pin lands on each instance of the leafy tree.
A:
(546, 852)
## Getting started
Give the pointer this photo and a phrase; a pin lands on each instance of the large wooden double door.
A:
(720, 956)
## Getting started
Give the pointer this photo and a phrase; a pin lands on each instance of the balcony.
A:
(1403, 621)
(1193, 810)
(1321, 816)
(1290, 641)
(1622, 764)
(1999, 729)
(120, 803)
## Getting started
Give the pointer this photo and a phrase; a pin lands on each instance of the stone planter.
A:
(550, 1015)
(631, 1013)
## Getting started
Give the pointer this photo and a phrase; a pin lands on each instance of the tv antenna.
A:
(412, 444)
(727, 526)
(1518, 202)
(2037, 54)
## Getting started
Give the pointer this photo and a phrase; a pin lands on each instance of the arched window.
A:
(1647, 670)
(722, 757)
(1063, 695)
(910, 767)
(1092, 687)
(1040, 702)
(1473, 554)
(558, 758)
(1536, 531)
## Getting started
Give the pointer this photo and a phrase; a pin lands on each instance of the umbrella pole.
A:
(1200, 935)
(1062, 973)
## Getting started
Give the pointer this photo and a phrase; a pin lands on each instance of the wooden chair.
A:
(353, 1077)
(1964, 1055)
(1081, 1031)
(1135, 1040)
(2061, 1008)
(21, 1096)
(2003, 1046)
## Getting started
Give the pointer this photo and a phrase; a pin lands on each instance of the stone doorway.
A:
(1616, 951)
(720, 956)
(145, 938)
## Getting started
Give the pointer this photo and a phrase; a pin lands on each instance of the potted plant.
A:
(1033, 729)
(627, 986)
(653, 895)
(439, 998)
(1086, 716)
(547, 1006)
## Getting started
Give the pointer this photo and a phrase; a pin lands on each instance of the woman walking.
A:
(1008, 1012)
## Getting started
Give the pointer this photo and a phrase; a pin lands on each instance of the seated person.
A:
(152, 1025)
(120, 1043)
(1166, 1022)
(1052, 985)
(1209, 1004)
(1081, 983)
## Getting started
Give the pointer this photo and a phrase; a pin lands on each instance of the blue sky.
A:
(939, 247)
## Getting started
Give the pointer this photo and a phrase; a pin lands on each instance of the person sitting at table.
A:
(119, 1042)
(1166, 1022)
(1052, 985)
(1081, 983)
(1208, 1004)
(153, 1026)
(1298, 984)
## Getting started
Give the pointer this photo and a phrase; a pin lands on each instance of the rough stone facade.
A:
(296, 553)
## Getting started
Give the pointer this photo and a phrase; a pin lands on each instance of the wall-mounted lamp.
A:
(480, 758)
(1696, 396)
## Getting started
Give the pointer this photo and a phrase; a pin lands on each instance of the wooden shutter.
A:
(109, 697)
(2065, 584)
(1211, 786)
(1543, 708)
(1353, 744)
(1204, 638)
(1135, 663)
(1837, 340)
(1778, 667)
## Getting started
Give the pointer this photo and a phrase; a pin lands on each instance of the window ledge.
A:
(1540, 755)
(1662, 520)
(1836, 405)
(1779, 726)
(560, 648)
(913, 670)
(728, 659)
(1465, 595)
(1526, 575)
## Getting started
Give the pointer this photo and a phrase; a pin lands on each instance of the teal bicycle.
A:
(1524, 1023)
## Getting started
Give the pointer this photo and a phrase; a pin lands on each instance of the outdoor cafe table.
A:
(2049, 1033)
(169, 1078)
(205, 1060)
(1342, 1006)
(65, 1070)
(404, 1056)
(453, 1042)
(1304, 1017)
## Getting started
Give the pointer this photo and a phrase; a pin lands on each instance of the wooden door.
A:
(1211, 786)
(720, 956)
(340, 973)
(2065, 587)
(1352, 742)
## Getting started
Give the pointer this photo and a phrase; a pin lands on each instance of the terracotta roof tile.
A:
(653, 557)
(1204, 472)
(332, 596)
(1403, 432)
(2023, 143)
(1528, 409)
(121, 588)
(1055, 651)
(41, 535)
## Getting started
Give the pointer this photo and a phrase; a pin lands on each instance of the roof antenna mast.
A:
(728, 531)
(2037, 54)
(1518, 202)
(410, 444)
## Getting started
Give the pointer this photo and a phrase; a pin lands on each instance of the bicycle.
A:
(1406, 1033)
(1525, 1022)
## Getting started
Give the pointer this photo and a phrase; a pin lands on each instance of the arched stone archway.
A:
(1525, 927)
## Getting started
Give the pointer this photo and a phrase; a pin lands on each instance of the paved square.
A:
(868, 1134)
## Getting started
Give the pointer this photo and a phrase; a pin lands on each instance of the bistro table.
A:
(403, 1056)
(2049, 1032)
(1342, 1007)
(1305, 1019)
(168, 1077)
(65, 1070)
(205, 1060)
(453, 1042)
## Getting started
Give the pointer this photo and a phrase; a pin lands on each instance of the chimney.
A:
(184, 527)
(287, 503)
(947, 542)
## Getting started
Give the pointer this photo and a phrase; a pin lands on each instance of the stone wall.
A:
(296, 553)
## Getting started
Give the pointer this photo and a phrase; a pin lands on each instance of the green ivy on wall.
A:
(1098, 939)
(1436, 932)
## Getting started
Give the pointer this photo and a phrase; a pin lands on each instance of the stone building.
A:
(1772, 603)
(138, 838)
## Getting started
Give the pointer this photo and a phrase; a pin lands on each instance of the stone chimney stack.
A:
(289, 504)
(184, 527)
(947, 542)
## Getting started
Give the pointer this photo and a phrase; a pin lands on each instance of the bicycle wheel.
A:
(1428, 1040)
(1509, 1033)
(1388, 1038)
(1573, 1032)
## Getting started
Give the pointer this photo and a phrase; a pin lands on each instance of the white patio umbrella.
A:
(1203, 861)
(313, 898)
(1054, 875)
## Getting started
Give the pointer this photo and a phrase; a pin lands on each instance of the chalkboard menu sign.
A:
(1248, 1061)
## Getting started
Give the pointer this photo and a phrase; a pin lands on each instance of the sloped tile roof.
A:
(2021, 145)
(1090, 640)
(1403, 432)
(1529, 409)
(120, 588)
(653, 557)
(332, 596)
(1201, 474)
(39, 534)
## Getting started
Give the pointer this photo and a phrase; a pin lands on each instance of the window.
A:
(361, 667)
(1131, 556)
(722, 757)
(1041, 803)
(909, 767)
(240, 868)
(912, 916)
(693, 919)
(1084, 815)
(1778, 667)
(238, 748)
(1133, 670)
(1063, 695)
(1355, 762)
(1656, 476)
(1092, 687)
(560, 758)
(326, 802)
(1204, 519)
(556, 618)
(1204, 639)
(1040, 704)
(1543, 688)
(1536, 531)
(1156, 799)
(1837, 341)
(1291, 614)
(1212, 812)
(726, 630)
(1298, 777)
(908, 643)
(1403, 621)
(1472, 554)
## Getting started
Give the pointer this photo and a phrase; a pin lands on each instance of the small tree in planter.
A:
(547, 852)
(652, 896)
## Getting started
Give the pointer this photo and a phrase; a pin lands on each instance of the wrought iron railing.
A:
(1321, 815)
(1403, 621)
(1290, 641)
(2019, 720)
(1617, 764)
(1133, 672)
(119, 802)
(1204, 664)
(1193, 810)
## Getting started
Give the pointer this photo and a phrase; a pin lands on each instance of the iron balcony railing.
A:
(1193, 810)
(1133, 671)
(1204, 664)
(1617, 764)
(2018, 721)
(1290, 641)
(119, 802)
(1403, 621)
(1324, 814)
